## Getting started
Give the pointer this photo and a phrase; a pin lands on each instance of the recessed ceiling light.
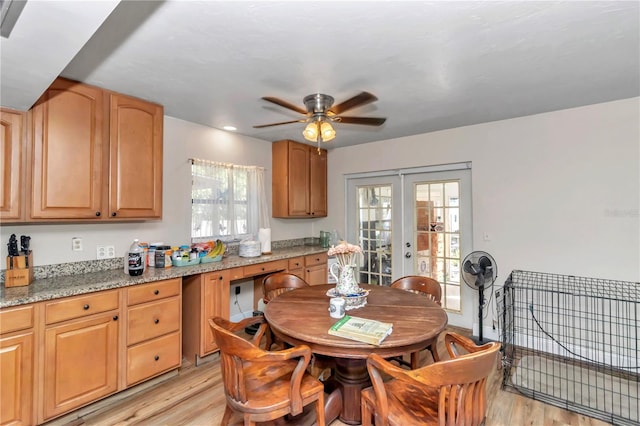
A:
(230, 128)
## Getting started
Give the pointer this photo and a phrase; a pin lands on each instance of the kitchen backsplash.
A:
(87, 266)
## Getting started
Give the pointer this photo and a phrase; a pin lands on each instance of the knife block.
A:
(19, 270)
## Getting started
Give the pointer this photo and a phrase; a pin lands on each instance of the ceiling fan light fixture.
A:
(319, 131)
(310, 132)
(327, 131)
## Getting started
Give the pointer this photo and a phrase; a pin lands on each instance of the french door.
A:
(413, 223)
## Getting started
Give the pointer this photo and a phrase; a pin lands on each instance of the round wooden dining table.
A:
(301, 316)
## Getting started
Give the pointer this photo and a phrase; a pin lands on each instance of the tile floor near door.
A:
(195, 397)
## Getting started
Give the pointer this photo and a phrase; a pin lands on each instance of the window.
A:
(228, 201)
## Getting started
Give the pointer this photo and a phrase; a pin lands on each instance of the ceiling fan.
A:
(320, 113)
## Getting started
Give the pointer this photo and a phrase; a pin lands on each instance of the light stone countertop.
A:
(72, 285)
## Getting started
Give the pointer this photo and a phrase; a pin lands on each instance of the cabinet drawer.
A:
(315, 259)
(15, 319)
(153, 357)
(152, 320)
(296, 263)
(153, 291)
(80, 306)
(264, 268)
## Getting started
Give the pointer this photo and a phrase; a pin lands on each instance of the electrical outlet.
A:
(237, 290)
(76, 244)
(106, 252)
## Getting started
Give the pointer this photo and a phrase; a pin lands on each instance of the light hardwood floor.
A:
(194, 397)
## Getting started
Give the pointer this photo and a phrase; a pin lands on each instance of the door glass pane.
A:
(437, 238)
(375, 233)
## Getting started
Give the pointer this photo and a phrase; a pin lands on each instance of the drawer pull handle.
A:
(115, 318)
(220, 277)
(156, 357)
(157, 292)
(85, 307)
(156, 321)
(98, 214)
(113, 214)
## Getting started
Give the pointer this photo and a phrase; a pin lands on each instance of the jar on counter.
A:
(151, 256)
(163, 257)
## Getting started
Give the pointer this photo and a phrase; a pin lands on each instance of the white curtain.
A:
(228, 201)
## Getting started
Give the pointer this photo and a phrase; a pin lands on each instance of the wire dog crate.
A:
(573, 342)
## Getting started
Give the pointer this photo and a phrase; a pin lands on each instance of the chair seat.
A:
(267, 386)
(402, 395)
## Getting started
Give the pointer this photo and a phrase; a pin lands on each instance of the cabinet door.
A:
(318, 183)
(316, 275)
(16, 384)
(298, 180)
(68, 152)
(81, 362)
(11, 164)
(135, 185)
(216, 304)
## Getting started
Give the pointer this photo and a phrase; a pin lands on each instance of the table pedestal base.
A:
(352, 377)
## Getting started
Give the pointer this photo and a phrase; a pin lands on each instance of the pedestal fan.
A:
(479, 271)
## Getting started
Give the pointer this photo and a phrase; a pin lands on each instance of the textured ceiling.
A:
(433, 65)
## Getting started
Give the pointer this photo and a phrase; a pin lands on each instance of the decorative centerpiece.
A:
(345, 274)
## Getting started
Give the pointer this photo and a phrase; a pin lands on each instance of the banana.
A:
(217, 250)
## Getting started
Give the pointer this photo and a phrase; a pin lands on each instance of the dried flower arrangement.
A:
(345, 253)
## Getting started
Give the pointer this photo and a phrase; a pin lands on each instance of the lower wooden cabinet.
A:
(312, 268)
(296, 266)
(206, 296)
(153, 357)
(96, 344)
(16, 361)
(153, 329)
(315, 271)
(81, 362)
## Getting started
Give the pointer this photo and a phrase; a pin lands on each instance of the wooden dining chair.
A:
(277, 283)
(260, 385)
(274, 285)
(450, 392)
(423, 286)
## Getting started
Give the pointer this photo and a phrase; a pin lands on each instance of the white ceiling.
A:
(433, 65)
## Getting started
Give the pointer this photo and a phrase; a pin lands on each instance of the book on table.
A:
(361, 329)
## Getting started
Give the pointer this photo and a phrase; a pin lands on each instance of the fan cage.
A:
(470, 279)
(572, 342)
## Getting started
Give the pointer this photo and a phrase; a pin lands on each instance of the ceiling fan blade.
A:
(358, 100)
(368, 121)
(285, 104)
(277, 124)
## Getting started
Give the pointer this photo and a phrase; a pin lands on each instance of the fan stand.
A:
(480, 340)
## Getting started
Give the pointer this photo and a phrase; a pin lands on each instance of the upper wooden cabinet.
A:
(68, 152)
(12, 155)
(299, 181)
(96, 155)
(135, 185)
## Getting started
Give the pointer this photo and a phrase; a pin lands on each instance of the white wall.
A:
(559, 192)
(182, 140)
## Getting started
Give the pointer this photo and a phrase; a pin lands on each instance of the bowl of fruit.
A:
(216, 250)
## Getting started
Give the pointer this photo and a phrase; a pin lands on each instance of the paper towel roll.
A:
(264, 236)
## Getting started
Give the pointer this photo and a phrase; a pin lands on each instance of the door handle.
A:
(407, 254)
